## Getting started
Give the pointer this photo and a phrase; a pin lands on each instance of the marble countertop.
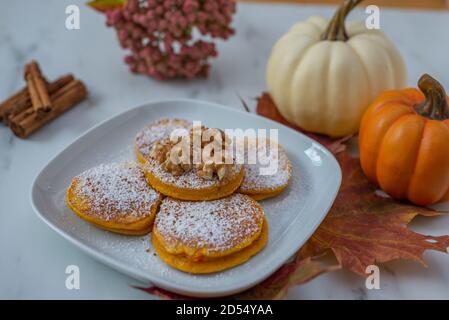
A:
(34, 258)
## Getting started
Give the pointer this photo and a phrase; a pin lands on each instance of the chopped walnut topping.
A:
(172, 159)
(176, 169)
(207, 170)
(160, 151)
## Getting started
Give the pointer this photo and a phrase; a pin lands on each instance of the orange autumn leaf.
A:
(362, 228)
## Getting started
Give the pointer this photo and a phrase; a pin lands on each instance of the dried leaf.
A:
(267, 108)
(291, 274)
(296, 272)
(363, 228)
(105, 5)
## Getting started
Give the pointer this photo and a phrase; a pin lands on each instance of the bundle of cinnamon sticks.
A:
(40, 101)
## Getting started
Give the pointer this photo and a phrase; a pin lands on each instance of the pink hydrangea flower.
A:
(160, 35)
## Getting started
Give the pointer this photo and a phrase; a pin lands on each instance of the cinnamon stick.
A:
(63, 99)
(37, 88)
(22, 101)
(19, 99)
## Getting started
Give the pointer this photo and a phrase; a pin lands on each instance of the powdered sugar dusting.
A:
(156, 131)
(116, 190)
(255, 181)
(216, 225)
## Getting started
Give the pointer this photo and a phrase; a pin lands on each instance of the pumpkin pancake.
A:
(261, 186)
(189, 185)
(209, 236)
(115, 197)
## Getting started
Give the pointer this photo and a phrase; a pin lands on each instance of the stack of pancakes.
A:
(199, 225)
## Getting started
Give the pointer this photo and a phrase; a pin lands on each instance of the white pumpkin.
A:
(323, 75)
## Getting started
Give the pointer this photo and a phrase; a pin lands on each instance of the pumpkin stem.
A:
(435, 106)
(336, 30)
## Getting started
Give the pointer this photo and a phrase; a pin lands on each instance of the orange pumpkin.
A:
(404, 143)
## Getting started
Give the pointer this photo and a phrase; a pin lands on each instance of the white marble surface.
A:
(34, 258)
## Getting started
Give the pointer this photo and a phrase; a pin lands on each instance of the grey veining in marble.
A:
(34, 258)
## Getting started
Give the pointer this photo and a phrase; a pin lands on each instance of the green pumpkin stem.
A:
(435, 106)
(336, 30)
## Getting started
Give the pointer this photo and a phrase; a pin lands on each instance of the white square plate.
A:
(292, 217)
